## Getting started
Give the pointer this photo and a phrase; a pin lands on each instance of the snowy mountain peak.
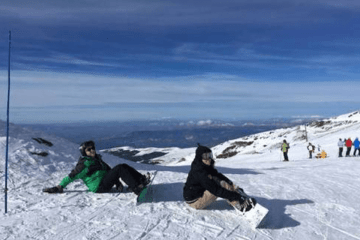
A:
(353, 116)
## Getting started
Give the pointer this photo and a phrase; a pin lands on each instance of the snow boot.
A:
(145, 180)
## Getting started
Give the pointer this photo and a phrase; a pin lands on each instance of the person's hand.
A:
(246, 204)
(57, 189)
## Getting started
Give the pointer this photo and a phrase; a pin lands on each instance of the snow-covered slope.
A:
(325, 133)
(307, 199)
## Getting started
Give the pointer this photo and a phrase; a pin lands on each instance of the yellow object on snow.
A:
(321, 155)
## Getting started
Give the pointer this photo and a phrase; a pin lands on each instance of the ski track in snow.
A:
(307, 198)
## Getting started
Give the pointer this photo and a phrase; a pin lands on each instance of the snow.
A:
(306, 198)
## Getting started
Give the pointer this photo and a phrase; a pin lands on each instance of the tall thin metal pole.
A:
(7, 129)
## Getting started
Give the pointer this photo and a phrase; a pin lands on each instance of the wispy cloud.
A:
(30, 89)
(59, 58)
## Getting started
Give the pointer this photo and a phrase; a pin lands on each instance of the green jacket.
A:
(90, 170)
(285, 147)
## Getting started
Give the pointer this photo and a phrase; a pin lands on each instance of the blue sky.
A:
(123, 60)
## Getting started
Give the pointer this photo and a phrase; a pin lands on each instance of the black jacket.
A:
(203, 177)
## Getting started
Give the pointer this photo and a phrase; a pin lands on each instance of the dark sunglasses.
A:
(89, 149)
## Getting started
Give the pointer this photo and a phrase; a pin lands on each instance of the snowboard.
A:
(146, 195)
(256, 215)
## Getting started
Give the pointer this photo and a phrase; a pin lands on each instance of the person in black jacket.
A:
(205, 184)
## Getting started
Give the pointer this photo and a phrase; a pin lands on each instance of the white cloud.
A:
(204, 122)
(41, 89)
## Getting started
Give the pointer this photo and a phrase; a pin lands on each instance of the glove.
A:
(245, 205)
(57, 189)
(92, 169)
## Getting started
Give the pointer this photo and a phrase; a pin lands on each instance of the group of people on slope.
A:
(311, 150)
(203, 186)
(348, 144)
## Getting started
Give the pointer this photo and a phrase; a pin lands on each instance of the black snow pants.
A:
(286, 158)
(128, 174)
(340, 152)
(348, 151)
(356, 149)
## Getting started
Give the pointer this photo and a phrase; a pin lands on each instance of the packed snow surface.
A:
(306, 198)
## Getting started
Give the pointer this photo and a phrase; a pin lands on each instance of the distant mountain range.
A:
(163, 132)
(260, 142)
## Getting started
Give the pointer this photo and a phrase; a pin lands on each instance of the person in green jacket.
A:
(98, 176)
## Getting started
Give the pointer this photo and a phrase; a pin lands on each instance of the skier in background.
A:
(348, 144)
(285, 148)
(205, 184)
(98, 176)
(356, 146)
(311, 149)
(341, 147)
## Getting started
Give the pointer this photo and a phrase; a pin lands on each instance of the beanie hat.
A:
(84, 145)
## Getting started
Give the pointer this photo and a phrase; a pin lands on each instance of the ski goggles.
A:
(207, 156)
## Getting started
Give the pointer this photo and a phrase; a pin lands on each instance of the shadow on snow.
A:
(277, 218)
(186, 169)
